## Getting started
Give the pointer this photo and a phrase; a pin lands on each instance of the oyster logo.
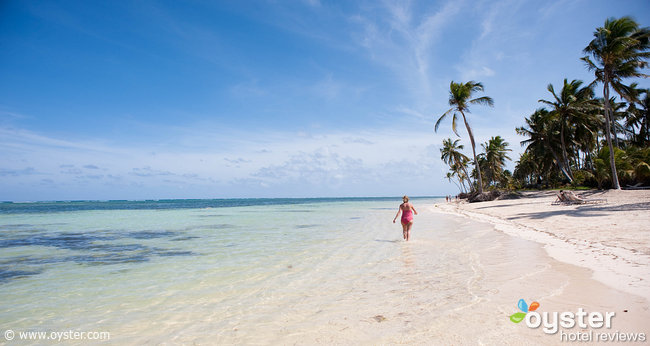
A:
(519, 316)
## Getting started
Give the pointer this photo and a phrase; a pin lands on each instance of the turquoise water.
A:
(260, 271)
(149, 270)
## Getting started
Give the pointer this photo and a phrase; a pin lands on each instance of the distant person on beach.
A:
(407, 209)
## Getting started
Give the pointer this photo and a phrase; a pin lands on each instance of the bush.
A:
(580, 177)
(642, 172)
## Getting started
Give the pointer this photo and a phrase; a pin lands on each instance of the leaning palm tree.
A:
(451, 154)
(459, 99)
(619, 50)
(450, 177)
(572, 103)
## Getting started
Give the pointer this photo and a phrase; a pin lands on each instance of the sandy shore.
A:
(611, 238)
(601, 253)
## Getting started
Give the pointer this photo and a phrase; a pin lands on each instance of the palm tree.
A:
(619, 50)
(451, 155)
(495, 157)
(450, 176)
(542, 130)
(526, 169)
(586, 127)
(459, 99)
(638, 117)
(571, 104)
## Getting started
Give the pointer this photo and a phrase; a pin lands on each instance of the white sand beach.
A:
(611, 240)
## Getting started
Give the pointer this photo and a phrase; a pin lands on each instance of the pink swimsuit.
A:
(407, 216)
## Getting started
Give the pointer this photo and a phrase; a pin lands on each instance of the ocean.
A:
(261, 271)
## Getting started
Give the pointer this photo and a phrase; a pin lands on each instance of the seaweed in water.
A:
(6, 275)
(150, 234)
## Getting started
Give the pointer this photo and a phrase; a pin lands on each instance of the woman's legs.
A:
(408, 230)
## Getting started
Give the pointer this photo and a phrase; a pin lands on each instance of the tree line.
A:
(574, 138)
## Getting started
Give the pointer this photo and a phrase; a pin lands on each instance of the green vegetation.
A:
(575, 139)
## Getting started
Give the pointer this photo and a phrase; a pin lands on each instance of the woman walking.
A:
(407, 209)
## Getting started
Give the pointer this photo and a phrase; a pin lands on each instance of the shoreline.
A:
(611, 239)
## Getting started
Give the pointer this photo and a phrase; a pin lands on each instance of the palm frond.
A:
(475, 86)
(453, 124)
(590, 64)
(483, 100)
(442, 117)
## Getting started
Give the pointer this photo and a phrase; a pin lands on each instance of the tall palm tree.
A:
(571, 104)
(459, 99)
(619, 50)
(451, 155)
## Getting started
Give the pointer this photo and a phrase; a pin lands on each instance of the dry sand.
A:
(611, 238)
(610, 241)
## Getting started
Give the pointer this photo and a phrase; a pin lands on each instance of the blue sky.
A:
(203, 99)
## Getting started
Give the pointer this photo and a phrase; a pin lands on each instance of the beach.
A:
(288, 272)
(610, 238)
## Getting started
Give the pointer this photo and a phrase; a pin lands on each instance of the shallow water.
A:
(334, 271)
(138, 272)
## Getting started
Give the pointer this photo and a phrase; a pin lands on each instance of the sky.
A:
(245, 99)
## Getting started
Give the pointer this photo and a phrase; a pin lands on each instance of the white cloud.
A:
(497, 32)
(244, 164)
(403, 40)
(477, 73)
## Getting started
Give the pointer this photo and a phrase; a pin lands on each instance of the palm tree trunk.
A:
(455, 183)
(565, 159)
(644, 130)
(608, 133)
(462, 183)
(469, 181)
(560, 165)
(578, 160)
(471, 139)
(559, 162)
